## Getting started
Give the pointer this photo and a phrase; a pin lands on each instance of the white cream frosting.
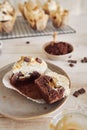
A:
(7, 6)
(60, 80)
(36, 11)
(5, 17)
(52, 6)
(29, 67)
(5, 10)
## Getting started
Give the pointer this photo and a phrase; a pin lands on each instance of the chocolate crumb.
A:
(38, 60)
(58, 48)
(76, 94)
(71, 65)
(27, 42)
(26, 59)
(72, 61)
(70, 56)
(84, 60)
(81, 91)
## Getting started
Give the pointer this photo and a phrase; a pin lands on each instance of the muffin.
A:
(32, 78)
(59, 17)
(34, 14)
(7, 17)
(49, 6)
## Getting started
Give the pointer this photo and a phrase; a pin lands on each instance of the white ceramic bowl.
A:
(56, 57)
(69, 120)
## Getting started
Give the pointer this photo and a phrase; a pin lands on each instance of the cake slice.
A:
(53, 87)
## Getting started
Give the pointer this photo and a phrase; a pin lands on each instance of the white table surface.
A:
(13, 49)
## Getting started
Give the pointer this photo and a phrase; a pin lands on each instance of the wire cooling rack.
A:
(22, 29)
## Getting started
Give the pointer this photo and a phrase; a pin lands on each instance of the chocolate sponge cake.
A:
(26, 86)
(53, 86)
(46, 86)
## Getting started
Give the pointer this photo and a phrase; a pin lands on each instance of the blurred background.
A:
(75, 7)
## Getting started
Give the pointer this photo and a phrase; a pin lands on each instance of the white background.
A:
(75, 7)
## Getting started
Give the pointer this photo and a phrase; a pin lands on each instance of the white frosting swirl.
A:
(29, 67)
(52, 6)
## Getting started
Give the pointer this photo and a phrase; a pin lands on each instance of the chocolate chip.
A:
(26, 59)
(38, 60)
(27, 42)
(81, 91)
(76, 94)
(71, 65)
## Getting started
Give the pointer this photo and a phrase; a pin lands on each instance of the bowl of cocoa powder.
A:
(58, 50)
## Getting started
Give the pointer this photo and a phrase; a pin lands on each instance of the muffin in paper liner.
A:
(21, 80)
(34, 14)
(7, 17)
(58, 16)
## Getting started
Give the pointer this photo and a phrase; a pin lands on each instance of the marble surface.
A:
(13, 49)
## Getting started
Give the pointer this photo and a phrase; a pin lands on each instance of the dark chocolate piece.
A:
(76, 94)
(27, 59)
(38, 60)
(81, 91)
